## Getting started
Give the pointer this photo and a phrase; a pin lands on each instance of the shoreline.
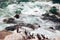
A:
(4, 33)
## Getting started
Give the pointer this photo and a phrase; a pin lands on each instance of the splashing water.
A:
(28, 10)
(31, 12)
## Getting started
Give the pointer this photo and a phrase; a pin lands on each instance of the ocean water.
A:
(31, 12)
(28, 13)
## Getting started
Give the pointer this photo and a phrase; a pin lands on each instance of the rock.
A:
(46, 14)
(51, 28)
(10, 28)
(38, 36)
(16, 16)
(31, 26)
(9, 20)
(39, 26)
(5, 20)
(22, 24)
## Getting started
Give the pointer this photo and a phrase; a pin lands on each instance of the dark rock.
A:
(26, 32)
(38, 36)
(51, 18)
(5, 20)
(57, 27)
(22, 24)
(51, 28)
(17, 28)
(11, 20)
(16, 16)
(10, 28)
(46, 14)
(43, 36)
(28, 25)
(31, 26)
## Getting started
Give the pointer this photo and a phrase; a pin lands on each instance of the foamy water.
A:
(29, 9)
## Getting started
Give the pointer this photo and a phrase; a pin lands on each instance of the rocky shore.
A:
(3, 34)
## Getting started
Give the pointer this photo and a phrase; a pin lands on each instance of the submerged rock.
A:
(22, 24)
(11, 20)
(51, 28)
(57, 27)
(5, 20)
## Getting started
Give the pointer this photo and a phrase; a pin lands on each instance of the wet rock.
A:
(38, 36)
(57, 27)
(46, 14)
(51, 28)
(10, 28)
(28, 25)
(9, 20)
(51, 18)
(39, 26)
(16, 16)
(5, 20)
(17, 28)
(22, 24)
